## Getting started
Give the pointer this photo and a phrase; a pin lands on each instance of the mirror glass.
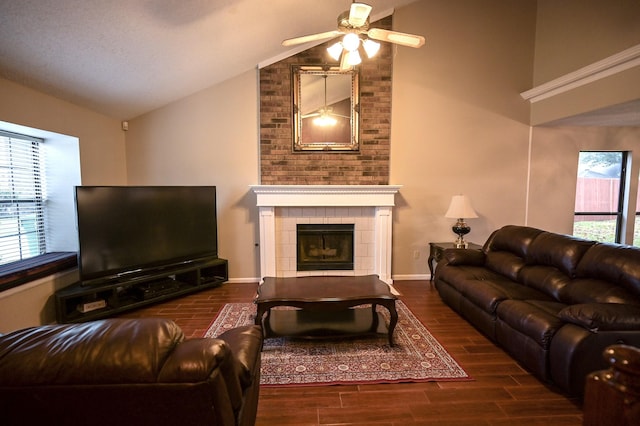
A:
(326, 109)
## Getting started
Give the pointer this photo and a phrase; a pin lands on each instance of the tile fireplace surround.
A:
(368, 207)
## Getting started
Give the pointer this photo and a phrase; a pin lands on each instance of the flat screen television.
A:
(128, 231)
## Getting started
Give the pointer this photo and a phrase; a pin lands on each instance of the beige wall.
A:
(102, 158)
(554, 171)
(102, 155)
(459, 124)
(209, 138)
(572, 34)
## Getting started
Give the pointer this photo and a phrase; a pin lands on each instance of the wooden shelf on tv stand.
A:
(80, 303)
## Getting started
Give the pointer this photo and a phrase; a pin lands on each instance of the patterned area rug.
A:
(416, 356)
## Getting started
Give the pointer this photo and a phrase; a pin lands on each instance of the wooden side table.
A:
(436, 250)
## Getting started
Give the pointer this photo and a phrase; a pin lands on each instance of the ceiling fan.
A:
(353, 24)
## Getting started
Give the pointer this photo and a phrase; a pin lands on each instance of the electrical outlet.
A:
(416, 255)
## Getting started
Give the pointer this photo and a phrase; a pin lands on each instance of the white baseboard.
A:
(413, 277)
(246, 280)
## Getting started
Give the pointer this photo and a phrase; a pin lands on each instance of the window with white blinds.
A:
(22, 229)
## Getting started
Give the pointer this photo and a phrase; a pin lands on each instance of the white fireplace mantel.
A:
(381, 197)
(325, 195)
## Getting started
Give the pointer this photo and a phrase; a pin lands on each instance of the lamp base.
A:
(461, 229)
(461, 244)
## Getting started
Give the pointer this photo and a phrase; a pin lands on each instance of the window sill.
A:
(23, 271)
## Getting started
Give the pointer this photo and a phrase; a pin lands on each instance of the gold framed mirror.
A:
(326, 109)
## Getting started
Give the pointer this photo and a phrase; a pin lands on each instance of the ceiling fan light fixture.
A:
(335, 50)
(357, 37)
(370, 47)
(353, 58)
(324, 120)
(351, 42)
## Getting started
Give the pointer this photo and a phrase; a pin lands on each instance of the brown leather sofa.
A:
(554, 302)
(128, 372)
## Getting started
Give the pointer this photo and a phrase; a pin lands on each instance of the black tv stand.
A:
(79, 303)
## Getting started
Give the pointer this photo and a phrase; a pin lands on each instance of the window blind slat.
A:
(21, 199)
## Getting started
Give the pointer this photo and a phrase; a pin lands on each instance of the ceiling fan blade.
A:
(315, 114)
(358, 14)
(311, 37)
(403, 39)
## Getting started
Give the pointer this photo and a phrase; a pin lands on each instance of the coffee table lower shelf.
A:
(308, 324)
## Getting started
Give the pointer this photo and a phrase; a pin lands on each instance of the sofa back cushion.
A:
(593, 290)
(547, 279)
(616, 264)
(98, 352)
(506, 249)
(560, 251)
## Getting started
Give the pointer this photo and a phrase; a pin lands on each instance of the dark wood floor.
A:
(501, 394)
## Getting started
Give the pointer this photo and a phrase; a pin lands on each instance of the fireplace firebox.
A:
(322, 247)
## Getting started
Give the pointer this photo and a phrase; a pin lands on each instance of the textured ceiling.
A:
(123, 58)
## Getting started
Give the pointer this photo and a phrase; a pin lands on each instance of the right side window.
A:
(600, 195)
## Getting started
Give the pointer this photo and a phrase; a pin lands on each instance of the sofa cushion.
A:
(593, 290)
(537, 320)
(561, 251)
(512, 238)
(547, 279)
(614, 263)
(507, 248)
(505, 263)
(459, 276)
(489, 294)
(98, 352)
(603, 316)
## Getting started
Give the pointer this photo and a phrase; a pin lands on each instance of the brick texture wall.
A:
(280, 165)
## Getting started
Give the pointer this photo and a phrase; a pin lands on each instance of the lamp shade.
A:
(460, 208)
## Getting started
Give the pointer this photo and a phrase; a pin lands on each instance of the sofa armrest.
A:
(194, 360)
(246, 344)
(603, 316)
(456, 257)
(205, 360)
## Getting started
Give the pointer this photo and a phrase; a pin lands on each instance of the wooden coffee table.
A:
(328, 306)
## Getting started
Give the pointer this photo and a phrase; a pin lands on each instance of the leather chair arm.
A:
(194, 360)
(246, 344)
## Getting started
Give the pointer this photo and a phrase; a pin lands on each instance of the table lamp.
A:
(460, 208)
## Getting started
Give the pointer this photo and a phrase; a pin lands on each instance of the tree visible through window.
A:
(21, 198)
(599, 195)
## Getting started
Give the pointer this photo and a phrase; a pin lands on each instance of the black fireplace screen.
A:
(324, 247)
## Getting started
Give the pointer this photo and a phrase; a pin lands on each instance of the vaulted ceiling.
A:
(123, 58)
